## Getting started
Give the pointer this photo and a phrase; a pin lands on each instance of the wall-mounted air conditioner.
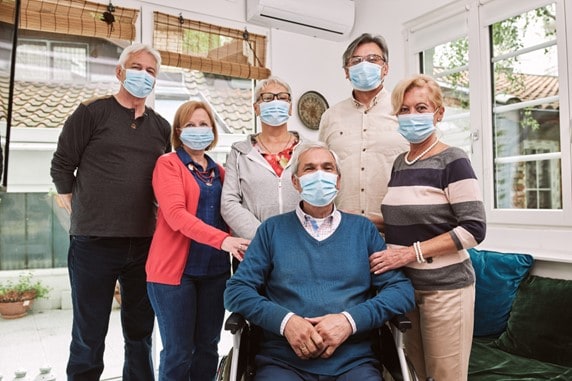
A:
(330, 19)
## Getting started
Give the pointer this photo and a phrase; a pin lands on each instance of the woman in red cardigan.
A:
(188, 262)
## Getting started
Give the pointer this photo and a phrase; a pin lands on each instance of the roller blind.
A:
(209, 48)
(81, 18)
(444, 24)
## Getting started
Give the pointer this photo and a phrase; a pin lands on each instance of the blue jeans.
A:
(95, 264)
(190, 318)
(268, 369)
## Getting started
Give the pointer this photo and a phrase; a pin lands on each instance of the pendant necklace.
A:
(421, 154)
(270, 152)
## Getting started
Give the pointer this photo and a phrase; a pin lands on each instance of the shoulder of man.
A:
(94, 100)
(357, 221)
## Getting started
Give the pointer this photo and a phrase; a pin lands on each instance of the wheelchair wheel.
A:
(411, 371)
(223, 371)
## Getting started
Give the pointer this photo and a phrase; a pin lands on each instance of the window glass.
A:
(448, 64)
(229, 98)
(54, 74)
(526, 128)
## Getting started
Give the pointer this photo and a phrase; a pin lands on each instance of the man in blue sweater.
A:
(305, 281)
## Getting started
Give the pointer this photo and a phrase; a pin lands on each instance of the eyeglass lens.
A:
(269, 97)
(372, 58)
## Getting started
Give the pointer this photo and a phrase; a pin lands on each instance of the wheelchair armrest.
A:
(234, 323)
(401, 322)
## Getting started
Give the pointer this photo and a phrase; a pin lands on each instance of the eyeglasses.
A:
(269, 97)
(372, 58)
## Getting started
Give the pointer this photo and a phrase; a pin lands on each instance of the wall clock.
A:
(311, 106)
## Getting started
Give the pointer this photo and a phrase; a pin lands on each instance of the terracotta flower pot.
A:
(14, 310)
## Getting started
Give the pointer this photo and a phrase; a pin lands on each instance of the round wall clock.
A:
(311, 106)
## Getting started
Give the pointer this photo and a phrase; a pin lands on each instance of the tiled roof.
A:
(519, 87)
(233, 104)
(528, 86)
(41, 104)
(48, 105)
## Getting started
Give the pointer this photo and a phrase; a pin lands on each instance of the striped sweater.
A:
(434, 196)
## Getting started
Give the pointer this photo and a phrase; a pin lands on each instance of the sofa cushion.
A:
(488, 363)
(498, 276)
(539, 325)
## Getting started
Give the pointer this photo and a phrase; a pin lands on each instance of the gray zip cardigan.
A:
(252, 191)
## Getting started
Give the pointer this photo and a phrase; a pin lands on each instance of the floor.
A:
(42, 339)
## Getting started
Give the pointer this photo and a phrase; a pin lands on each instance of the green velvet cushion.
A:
(540, 322)
(488, 363)
(498, 276)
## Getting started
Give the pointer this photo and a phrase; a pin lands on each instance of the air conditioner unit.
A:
(329, 19)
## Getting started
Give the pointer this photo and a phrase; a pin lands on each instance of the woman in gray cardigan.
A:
(257, 183)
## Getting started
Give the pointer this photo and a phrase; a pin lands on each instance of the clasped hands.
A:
(317, 336)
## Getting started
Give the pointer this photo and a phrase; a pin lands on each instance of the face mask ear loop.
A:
(438, 129)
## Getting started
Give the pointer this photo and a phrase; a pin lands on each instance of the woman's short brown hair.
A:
(182, 116)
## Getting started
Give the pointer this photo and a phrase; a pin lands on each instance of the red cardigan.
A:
(177, 193)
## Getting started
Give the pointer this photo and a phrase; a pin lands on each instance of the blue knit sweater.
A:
(286, 270)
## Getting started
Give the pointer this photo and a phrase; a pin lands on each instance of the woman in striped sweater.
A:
(433, 212)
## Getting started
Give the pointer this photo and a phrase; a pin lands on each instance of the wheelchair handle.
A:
(401, 322)
(234, 323)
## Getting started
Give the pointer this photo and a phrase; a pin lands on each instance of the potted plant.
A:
(16, 297)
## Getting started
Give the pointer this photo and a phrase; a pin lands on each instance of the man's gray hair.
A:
(136, 48)
(364, 39)
(305, 147)
(272, 80)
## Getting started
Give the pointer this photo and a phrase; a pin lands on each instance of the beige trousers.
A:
(439, 343)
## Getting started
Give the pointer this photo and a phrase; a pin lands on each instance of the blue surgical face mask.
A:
(138, 83)
(274, 113)
(416, 128)
(365, 76)
(318, 188)
(197, 138)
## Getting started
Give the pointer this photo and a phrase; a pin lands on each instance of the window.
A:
(65, 54)
(525, 101)
(213, 64)
(45, 60)
(504, 69)
(448, 63)
(229, 98)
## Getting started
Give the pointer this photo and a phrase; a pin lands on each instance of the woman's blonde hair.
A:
(182, 116)
(421, 81)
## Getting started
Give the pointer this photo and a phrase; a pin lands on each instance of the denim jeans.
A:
(190, 318)
(95, 264)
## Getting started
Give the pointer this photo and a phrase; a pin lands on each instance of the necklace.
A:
(421, 154)
(206, 177)
(259, 139)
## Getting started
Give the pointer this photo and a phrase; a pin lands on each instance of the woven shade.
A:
(72, 17)
(209, 48)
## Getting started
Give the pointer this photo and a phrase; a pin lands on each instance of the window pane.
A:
(32, 60)
(70, 62)
(448, 64)
(53, 75)
(230, 99)
(526, 126)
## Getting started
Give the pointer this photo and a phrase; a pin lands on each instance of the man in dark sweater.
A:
(317, 310)
(102, 171)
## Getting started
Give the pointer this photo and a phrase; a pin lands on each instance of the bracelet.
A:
(418, 252)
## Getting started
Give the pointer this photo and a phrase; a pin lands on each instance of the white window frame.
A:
(547, 234)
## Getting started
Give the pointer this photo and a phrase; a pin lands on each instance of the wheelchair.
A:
(238, 365)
